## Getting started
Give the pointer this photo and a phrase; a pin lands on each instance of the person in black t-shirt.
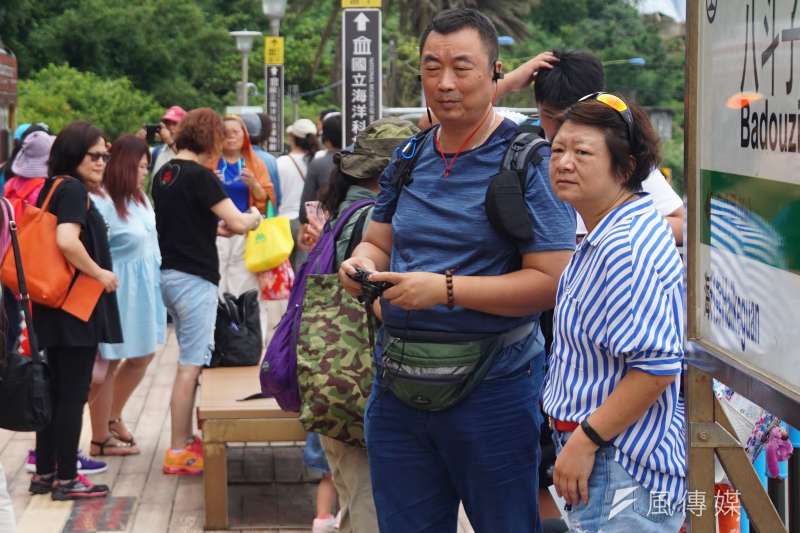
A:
(79, 153)
(191, 210)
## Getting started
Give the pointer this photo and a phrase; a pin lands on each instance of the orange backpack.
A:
(19, 197)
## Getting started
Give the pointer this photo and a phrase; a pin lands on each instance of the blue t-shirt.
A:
(234, 185)
(272, 168)
(440, 223)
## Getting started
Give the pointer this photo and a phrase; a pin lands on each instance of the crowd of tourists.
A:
(515, 289)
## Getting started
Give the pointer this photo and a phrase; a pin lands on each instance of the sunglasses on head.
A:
(97, 156)
(617, 104)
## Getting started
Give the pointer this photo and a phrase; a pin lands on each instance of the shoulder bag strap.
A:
(302, 175)
(23, 289)
(56, 182)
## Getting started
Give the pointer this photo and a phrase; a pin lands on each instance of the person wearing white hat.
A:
(28, 170)
(292, 168)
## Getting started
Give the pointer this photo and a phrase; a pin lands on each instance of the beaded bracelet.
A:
(448, 276)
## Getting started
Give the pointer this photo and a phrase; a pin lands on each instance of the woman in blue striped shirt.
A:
(612, 390)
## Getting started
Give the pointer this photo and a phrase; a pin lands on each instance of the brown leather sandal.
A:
(113, 446)
(116, 434)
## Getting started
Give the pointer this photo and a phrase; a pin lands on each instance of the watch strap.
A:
(589, 431)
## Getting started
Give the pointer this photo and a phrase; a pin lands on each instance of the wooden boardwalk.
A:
(270, 490)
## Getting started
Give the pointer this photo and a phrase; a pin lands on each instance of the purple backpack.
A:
(279, 367)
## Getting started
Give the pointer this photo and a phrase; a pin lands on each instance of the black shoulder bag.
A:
(25, 396)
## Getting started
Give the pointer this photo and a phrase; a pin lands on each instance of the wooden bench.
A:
(223, 419)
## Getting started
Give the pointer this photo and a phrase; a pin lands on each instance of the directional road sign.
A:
(361, 68)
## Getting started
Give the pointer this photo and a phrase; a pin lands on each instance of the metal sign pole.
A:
(361, 66)
(273, 76)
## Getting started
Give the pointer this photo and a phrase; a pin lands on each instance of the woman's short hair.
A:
(309, 144)
(201, 132)
(121, 177)
(70, 147)
(631, 159)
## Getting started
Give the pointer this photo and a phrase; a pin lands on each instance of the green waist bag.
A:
(434, 371)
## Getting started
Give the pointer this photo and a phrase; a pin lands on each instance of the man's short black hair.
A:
(327, 111)
(575, 75)
(453, 20)
(332, 130)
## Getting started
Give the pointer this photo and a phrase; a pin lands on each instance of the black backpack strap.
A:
(408, 158)
(505, 203)
(527, 147)
(358, 230)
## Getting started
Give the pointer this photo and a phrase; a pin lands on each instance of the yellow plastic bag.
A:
(269, 245)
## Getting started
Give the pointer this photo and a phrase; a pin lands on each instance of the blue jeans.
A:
(617, 503)
(484, 452)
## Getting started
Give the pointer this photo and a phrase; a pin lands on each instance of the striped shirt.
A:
(620, 305)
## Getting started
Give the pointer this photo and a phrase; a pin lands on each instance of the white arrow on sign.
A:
(273, 71)
(361, 22)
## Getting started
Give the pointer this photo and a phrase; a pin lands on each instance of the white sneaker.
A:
(324, 525)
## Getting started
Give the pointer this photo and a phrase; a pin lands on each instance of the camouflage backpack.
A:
(279, 372)
(334, 357)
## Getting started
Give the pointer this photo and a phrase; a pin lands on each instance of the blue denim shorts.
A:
(617, 502)
(191, 301)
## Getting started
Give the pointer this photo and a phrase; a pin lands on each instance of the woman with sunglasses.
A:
(79, 154)
(613, 387)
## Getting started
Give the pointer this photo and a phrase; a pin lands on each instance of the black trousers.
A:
(70, 378)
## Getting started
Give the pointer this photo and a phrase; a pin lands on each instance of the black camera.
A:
(150, 132)
(370, 290)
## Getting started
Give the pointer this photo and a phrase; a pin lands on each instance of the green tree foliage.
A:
(169, 48)
(58, 95)
(509, 16)
(180, 52)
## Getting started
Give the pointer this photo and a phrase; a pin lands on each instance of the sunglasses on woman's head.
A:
(617, 104)
(97, 156)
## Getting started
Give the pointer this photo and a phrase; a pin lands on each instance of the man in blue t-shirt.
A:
(455, 276)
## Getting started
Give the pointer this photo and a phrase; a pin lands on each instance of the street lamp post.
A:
(244, 43)
(273, 73)
(274, 10)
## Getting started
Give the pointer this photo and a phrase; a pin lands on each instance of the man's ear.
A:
(498, 71)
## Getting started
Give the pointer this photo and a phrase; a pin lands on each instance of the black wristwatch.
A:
(592, 434)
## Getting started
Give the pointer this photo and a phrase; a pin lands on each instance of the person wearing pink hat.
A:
(168, 128)
(28, 171)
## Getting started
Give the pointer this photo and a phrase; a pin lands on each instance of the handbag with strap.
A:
(48, 272)
(24, 381)
(270, 244)
(237, 335)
